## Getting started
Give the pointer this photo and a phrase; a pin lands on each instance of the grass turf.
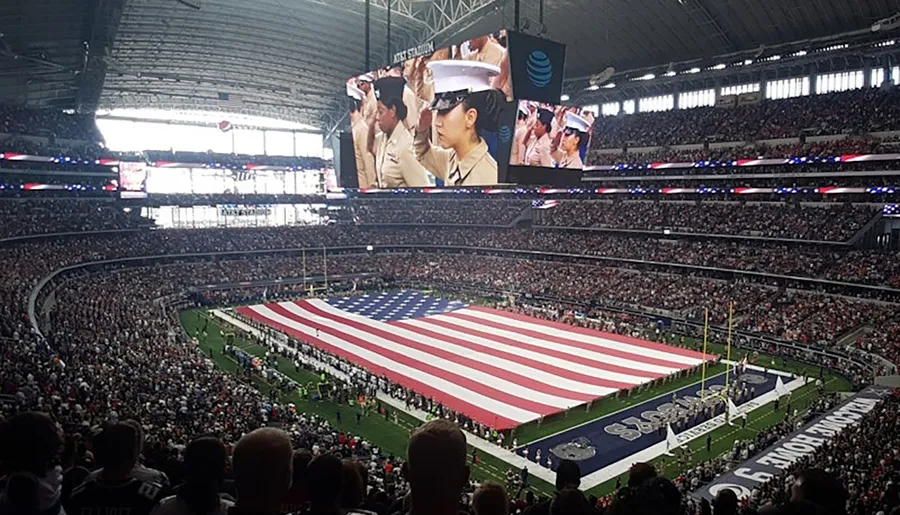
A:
(392, 438)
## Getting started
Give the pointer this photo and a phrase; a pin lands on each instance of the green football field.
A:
(392, 437)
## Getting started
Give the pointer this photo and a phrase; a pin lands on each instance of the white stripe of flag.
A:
(498, 368)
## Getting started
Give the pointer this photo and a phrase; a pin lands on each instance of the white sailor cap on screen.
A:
(367, 77)
(455, 80)
(523, 108)
(574, 121)
(354, 92)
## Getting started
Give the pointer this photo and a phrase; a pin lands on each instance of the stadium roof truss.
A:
(282, 58)
(289, 58)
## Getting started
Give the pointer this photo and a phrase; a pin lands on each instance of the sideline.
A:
(516, 461)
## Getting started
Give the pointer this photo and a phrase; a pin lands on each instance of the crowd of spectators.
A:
(24, 218)
(48, 123)
(719, 187)
(823, 222)
(855, 112)
(444, 212)
(830, 148)
(856, 470)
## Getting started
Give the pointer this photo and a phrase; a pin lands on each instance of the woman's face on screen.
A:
(454, 125)
(570, 142)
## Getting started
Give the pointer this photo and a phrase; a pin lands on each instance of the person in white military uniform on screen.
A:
(570, 142)
(365, 161)
(395, 161)
(466, 105)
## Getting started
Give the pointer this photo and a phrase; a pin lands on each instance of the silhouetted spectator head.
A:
(568, 475)
(29, 442)
(139, 432)
(325, 476)
(490, 499)
(726, 502)
(437, 469)
(262, 464)
(117, 450)
(353, 489)
(296, 498)
(205, 459)
(821, 489)
(639, 473)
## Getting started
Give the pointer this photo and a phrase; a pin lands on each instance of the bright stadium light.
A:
(720, 66)
(594, 87)
(692, 70)
(748, 62)
(670, 73)
(611, 85)
(369, 248)
(564, 98)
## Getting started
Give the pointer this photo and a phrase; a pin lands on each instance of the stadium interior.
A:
(299, 257)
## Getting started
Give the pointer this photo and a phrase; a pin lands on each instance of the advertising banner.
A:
(785, 452)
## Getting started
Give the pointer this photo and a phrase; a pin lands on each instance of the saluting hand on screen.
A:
(425, 119)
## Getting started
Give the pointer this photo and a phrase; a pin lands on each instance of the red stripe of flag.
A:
(596, 334)
(454, 403)
(638, 359)
(487, 391)
(506, 375)
(552, 353)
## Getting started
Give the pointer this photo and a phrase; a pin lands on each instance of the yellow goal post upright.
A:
(723, 393)
(703, 365)
(728, 351)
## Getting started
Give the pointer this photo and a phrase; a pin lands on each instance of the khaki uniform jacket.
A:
(477, 169)
(573, 162)
(365, 161)
(410, 100)
(538, 152)
(517, 153)
(396, 162)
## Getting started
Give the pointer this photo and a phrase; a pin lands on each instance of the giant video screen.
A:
(434, 119)
(551, 136)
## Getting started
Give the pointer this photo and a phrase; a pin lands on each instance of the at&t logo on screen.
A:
(539, 68)
(505, 133)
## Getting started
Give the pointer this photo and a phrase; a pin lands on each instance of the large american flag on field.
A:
(498, 368)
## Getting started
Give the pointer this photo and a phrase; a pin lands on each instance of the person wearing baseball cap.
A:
(395, 162)
(365, 161)
(571, 142)
(465, 107)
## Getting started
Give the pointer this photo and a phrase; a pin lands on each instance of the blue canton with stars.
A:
(398, 305)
